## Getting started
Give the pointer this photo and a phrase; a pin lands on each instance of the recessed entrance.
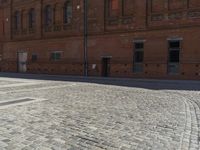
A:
(106, 66)
(22, 62)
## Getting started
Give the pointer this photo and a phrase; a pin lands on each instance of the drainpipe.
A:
(85, 38)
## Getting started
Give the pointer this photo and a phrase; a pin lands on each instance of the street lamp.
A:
(85, 38)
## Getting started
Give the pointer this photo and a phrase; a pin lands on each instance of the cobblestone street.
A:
(75, 113)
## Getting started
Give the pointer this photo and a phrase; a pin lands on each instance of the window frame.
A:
(53, 56)
(34, 57)
(174, 64)
(32, 18)
(113, 12)
(17, 20)
(67, 12)
(135, 63)
(48, 15)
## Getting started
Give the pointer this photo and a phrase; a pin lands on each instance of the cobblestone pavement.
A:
(90, 114)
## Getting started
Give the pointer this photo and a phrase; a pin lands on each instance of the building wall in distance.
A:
(2, 26)
(154, 23)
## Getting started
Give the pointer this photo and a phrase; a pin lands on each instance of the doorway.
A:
(22, 62)
(106, 67)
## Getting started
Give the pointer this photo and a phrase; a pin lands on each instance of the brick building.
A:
(126, 38)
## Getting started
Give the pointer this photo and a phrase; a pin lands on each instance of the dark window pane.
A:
(139, 56)
(17, 20)
(48, 15)
(139, 45)
(67, 11)
(31, 18)
(56, 56)
(34, 57)
(174, 44)
(174, 56)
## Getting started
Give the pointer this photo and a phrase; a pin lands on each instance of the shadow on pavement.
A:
(127, 82)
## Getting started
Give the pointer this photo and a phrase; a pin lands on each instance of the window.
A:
(127, 7)
(138, 57)
(114, 4)
(67, 11)
(48, 15)
(55, 56)
(23, 20)
(31, 18)
(176, 4)
(174, 57)
(17, 20)
(113, 7)
(118, 8)
(34, 57)
(158, 5)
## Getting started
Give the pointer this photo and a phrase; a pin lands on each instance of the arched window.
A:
(17, 19)
(48, 15)
(32, 17)
(67, 11)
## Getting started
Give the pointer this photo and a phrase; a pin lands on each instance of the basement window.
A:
(55, 56)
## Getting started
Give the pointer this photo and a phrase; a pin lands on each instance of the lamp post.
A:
(85, 38)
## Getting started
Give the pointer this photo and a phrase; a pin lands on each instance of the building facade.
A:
(126, 38)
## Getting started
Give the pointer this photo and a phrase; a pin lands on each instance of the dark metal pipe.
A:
(85, 38)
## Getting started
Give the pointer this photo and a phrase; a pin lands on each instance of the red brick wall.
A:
(154, 23)
(2, 26)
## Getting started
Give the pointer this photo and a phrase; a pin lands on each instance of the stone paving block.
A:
(97, 117)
